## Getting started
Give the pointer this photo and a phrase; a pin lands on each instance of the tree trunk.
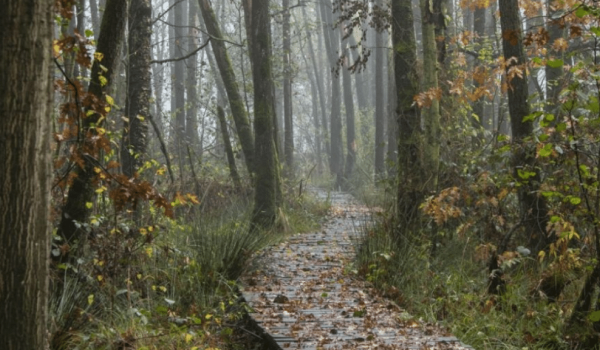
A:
(287, 92)
(392, 131)
(25, 109)
(320, 89)
(236, 102)
(350, 127)
(191, 115)
(137, 106)
(267, 167)
(95, 18)
(533, 207)
(235, 177)
(430, 113)
(403, 42)
(178, 76)
(331, 43)
(380, 56)
(82, 189)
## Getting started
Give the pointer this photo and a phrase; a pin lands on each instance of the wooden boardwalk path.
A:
(302, 299)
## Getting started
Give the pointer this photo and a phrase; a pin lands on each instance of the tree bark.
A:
(191, 113)
(137, 105)
(331, 43)
(380, 56)
(82, 189)
(236, 102)
(235, 177)
(267, 167)
(25, 110)
(430, 113)
(178, 76)
(533, 207)
(403, 42)
(287, 92)
(350, 125)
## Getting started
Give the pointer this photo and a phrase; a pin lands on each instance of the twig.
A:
(181, 58)
(163, 148)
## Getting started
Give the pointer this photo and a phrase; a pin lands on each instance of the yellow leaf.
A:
(163, 288)
(110, 100)
(149, 251)
(56, 48)
(89, 205)
(100, 278)
(208, 316)
(98, 56)
(143, 231)
(150, 228)
(188, 337)
(139, 276)
(101, 131)
(140, 117)
(101, 189)
(103, 81)
(90, 299)
(97, 170)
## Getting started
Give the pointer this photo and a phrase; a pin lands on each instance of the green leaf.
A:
(557, 63)
(582, 11)
(546, 151)
(594, 316)
(595, 30)
(575, 200)
(88, 33)
(561, 127)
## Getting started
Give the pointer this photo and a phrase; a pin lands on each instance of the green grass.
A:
(451, 289)
(169, 285)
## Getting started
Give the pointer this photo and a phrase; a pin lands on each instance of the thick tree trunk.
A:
(25, 110)
(533, 206)
(240, 117)
(403, 42)
(287, 92)
(267, 165)
(137, 105)
(82, 190)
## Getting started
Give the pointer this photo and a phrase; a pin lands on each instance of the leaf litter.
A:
(303, 299)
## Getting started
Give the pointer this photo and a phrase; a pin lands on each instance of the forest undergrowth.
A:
(163, 283)
(476, 274)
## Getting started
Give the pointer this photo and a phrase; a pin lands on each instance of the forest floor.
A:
(304, 295)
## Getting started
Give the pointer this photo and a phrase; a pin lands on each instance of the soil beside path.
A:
(302, 299)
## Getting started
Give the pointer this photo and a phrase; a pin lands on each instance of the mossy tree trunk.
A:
(267, 164)
(235, 177)
(430, 112)
(26, 91)
(404, 48)
(533, 207)
(238, 111)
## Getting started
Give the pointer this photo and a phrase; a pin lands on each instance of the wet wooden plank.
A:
(302, 298)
